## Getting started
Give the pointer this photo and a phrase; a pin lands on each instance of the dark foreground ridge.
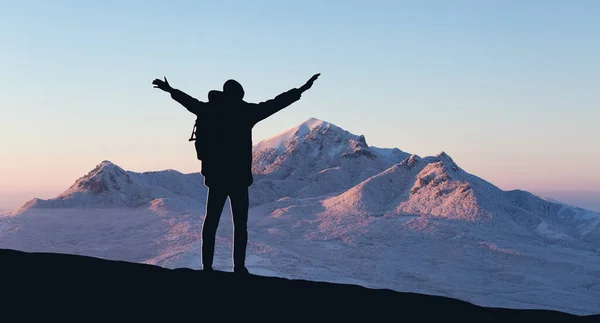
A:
(52, 285)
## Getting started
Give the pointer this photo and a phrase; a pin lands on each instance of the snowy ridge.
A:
(378, 193)
(280, 140)
(316, 158)
(108, 185)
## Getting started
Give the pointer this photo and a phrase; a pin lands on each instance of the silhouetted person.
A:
(224, 135)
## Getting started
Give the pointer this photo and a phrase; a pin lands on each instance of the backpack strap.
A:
(193, 132)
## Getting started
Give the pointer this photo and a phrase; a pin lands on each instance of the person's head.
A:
(233, 89)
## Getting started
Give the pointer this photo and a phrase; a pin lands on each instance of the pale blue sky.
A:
(509, 89)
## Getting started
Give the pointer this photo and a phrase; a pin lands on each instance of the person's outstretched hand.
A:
(309, 84)
(163, 85)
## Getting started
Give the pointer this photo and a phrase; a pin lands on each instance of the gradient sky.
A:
(509, 89)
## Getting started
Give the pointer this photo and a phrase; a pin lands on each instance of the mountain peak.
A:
(443, 156)
(105, 165)
(306, 127)
(412, 160)
(313, 122)
(104, 177)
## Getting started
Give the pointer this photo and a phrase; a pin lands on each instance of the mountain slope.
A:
(438, 187)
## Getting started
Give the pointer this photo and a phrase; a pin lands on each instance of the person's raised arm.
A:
(267, 108)
(191, 104)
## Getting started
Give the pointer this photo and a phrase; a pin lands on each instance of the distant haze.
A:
(589, 200)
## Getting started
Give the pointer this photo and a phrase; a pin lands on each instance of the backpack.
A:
(213, 95)
(198, 143)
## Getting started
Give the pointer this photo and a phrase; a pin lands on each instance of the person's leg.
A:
(239, 206)
(214, 207)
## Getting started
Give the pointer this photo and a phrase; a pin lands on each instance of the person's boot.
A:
(208, 252)
(207, 257)
(239, 251)
(240, 270)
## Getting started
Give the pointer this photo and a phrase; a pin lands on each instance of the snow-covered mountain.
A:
(316, 158)
(327, 206)
(109, 186)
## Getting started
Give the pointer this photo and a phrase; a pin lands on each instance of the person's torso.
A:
(226, 131)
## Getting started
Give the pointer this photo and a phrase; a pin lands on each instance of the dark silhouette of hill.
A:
(62, 286)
